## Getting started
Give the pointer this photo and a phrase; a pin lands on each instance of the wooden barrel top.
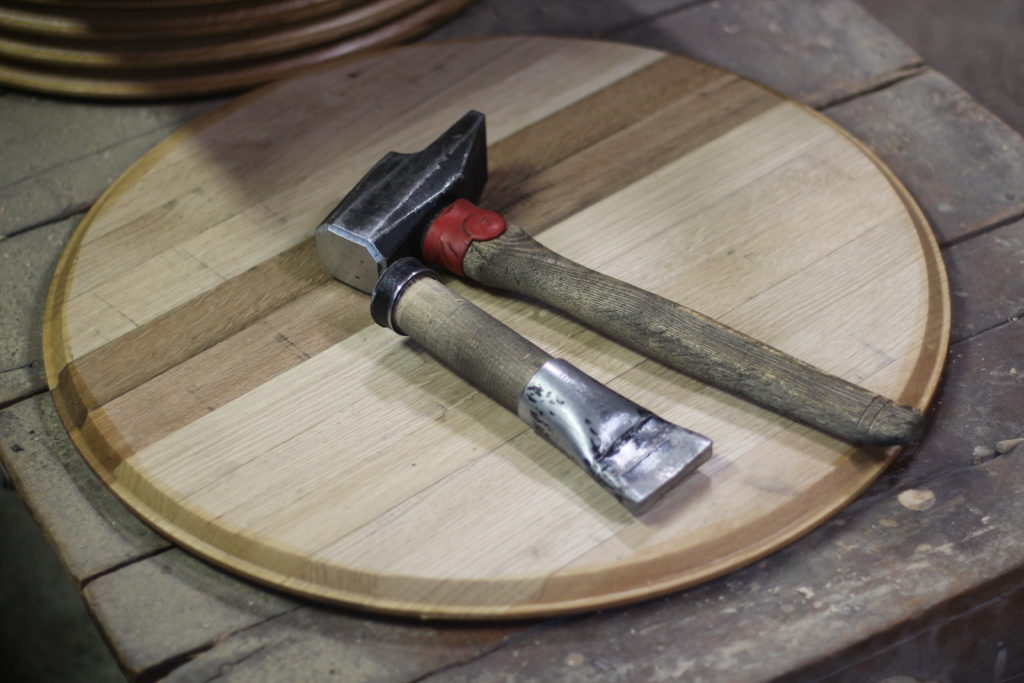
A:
(245, 405)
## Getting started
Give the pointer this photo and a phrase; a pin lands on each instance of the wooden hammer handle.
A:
(691, 342)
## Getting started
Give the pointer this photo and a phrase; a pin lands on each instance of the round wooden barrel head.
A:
(245, 405)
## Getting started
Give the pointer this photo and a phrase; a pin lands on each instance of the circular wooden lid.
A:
(246, 406)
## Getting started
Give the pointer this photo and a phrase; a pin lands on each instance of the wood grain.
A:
(280, 433)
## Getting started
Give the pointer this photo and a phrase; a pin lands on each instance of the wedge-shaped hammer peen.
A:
(631, 452)
(420, 204)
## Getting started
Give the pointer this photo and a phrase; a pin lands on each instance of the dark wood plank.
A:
(236, 365)
(543, 17)
(157, 346)
(313, 643)
(817, 57)
(979, 406)
(90, 529)
(693, 111)
(985, 282)
(976, 44)
(156, 610)
(26, 262)
(962, 164)
(963, 640)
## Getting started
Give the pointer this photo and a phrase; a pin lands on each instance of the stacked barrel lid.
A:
(170, 48)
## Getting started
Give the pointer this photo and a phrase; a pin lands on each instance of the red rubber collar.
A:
(448, 238)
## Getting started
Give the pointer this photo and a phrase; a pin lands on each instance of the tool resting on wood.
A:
(628, 450)
(421, 204)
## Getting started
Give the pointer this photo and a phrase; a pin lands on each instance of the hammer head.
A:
(383, 217)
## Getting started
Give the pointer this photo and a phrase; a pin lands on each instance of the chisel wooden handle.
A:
(634, 454)
(690, 342)
(481, 349)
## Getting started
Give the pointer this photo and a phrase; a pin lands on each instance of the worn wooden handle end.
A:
(691, 342)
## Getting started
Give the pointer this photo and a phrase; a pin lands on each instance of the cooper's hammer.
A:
(420, 204)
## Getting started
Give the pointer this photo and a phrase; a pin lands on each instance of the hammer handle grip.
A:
(691, 342)
(482, 350)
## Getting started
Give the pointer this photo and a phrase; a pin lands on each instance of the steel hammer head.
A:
(383, 217)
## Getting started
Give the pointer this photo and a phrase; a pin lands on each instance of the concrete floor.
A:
(977, 44)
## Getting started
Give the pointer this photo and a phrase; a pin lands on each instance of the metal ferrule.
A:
(390, 287)
(633, 453)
